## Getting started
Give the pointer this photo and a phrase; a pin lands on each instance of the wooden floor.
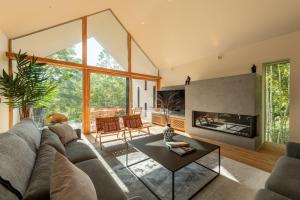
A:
(264, 158)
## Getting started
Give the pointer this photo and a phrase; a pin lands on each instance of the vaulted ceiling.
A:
(171, 32)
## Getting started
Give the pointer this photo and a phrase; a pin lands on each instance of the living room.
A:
(167, 99)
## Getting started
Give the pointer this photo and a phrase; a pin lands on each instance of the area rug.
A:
(237, 180)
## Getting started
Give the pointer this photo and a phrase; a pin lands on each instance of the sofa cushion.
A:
(19, 162)
(79, 150)
(65, 132)
(6, 194)
(50, 138)
(70, 182)
(27, 130)
(285, 178)
(264, 194)
(39, 186)
(105, 185)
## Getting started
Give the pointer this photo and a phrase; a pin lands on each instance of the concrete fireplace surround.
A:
(239, 94)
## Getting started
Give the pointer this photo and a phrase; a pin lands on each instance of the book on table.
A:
(180, 147)
(177, 144)
(182, 150)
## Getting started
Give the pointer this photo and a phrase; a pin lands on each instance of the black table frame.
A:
(173, 172)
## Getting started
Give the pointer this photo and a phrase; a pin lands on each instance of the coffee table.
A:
(154, 148)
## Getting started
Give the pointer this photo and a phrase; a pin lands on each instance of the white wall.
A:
(146, 96)
(3, 65)
(240, 60)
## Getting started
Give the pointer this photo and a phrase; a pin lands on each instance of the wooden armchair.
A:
(108, 126)
(134, 123)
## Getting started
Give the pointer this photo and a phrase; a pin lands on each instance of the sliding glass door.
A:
(277, 92)
(108, 96)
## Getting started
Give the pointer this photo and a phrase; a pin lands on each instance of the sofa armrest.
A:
(293, 150)
(264, 194)
(78, 132)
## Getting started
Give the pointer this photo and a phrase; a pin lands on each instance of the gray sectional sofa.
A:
(284, 181)
(29, 151)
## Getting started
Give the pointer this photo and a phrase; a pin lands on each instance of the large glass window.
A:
(108, 96)
(47, 43)
(107, 42)
(140, 62)
(277, 92)
(66, 99)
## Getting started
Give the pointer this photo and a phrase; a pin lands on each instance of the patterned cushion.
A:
(108, 124)
(132, 121)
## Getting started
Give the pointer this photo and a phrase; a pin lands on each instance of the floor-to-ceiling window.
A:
(108, 97)
(62, 43)
(96, 65)
(277, 92)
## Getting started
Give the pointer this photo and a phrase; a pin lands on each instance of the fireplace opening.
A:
(242, 125)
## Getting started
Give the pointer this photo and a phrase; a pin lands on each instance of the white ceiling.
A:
(171, 32)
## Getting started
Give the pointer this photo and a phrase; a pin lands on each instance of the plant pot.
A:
(168, 133)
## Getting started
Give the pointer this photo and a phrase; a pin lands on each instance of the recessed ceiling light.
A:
(142, 23)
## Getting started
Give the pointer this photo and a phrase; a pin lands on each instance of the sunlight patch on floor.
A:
(227, 174)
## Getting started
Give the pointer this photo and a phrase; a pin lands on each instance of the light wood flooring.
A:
(264, 158)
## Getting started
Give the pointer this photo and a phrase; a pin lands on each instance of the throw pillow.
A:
(28, 131)
(50, 138)
(65, 132)
(70, 182)
(16, 163)
(39, 186)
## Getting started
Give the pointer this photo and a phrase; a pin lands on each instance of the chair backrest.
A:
(132, 121)
(105, 112)
(108, 124)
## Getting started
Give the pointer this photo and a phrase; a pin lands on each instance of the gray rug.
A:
(237, 180)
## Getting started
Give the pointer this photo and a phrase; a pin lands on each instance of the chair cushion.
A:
(39, 186)
(50, 138)
(105, 185)
(285, 178)
(27, 130)
(17, 162)
(70, 182)
(65, 132)
(79, 150)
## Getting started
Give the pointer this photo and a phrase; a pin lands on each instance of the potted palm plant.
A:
(27, 86)
(167, 104)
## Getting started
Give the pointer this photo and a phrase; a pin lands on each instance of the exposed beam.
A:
(10, 72)
(129, 39)
(86, 86)
(158, 85)
(94, 69)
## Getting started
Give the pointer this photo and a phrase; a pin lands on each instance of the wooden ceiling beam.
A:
(93, 69)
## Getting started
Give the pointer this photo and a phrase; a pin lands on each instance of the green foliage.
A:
(29, 85)
(106, 91)
(277, 81)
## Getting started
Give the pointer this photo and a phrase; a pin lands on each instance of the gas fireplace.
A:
(242, 125)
